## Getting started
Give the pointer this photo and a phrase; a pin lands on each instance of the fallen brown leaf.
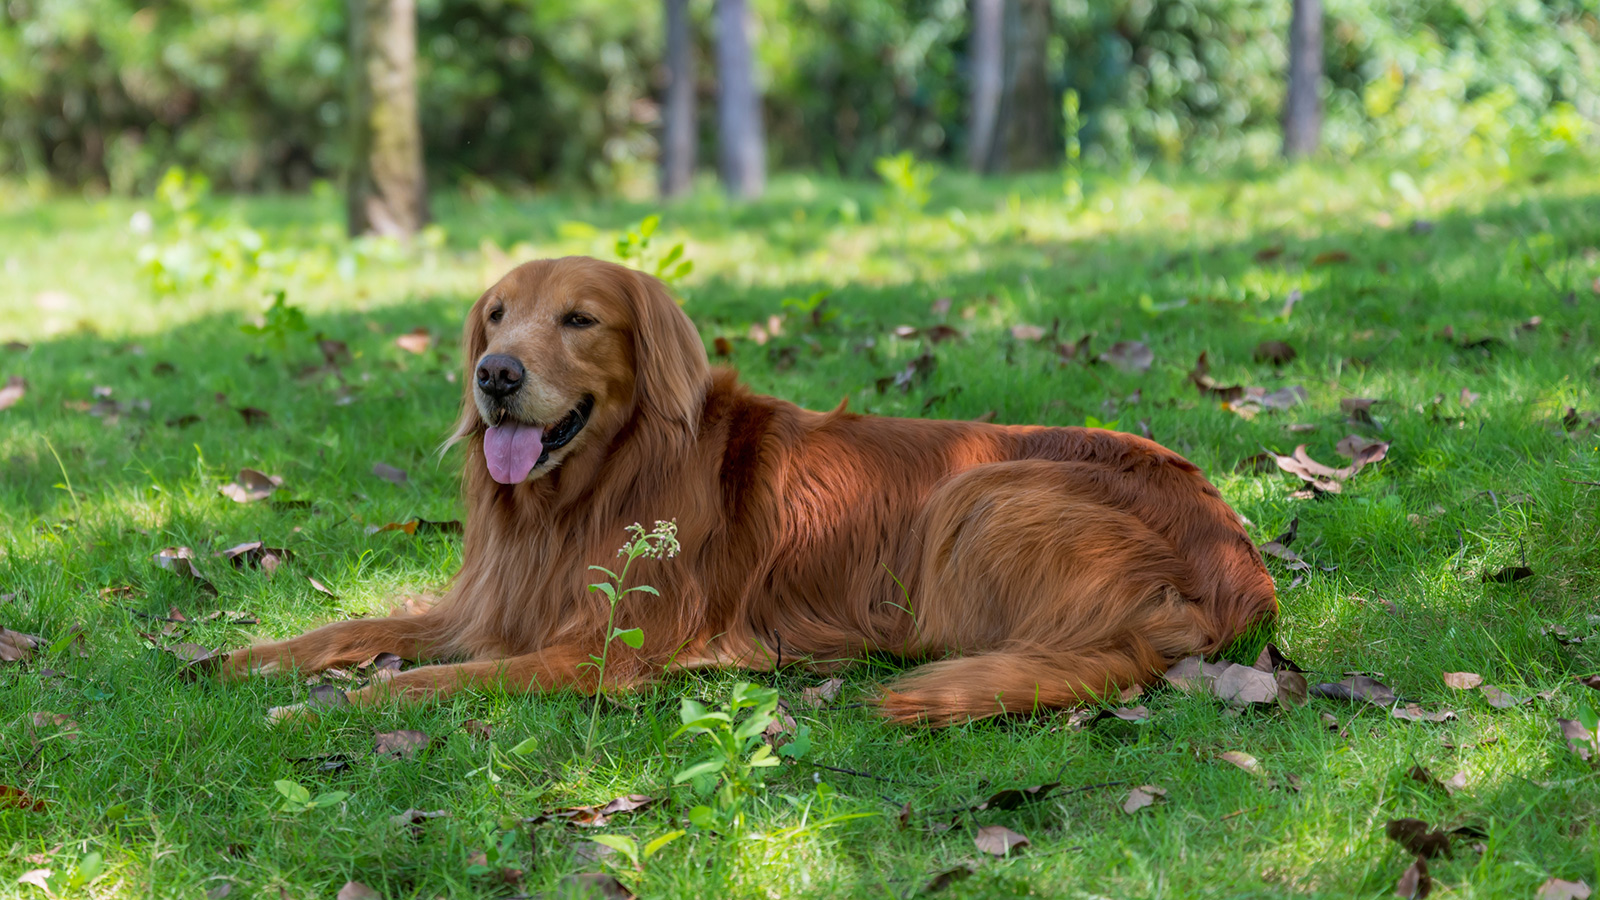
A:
(17, 798)
(15, 389)
(1200, 376)
(355, 890)
(1330, 257)
(251, 485)
(402, 744)
(1411, 712)
(1129, 356)
(1025, 332)
(321, 588)
(1243, 760)
(998, 840)
(1417, 838)
(417, 816)
(1462, 681)
(1275, 352)
(1414, 883)
(253, 554)
(1194, 673)
(180, 561)
(1142, 796)
(1580, 740)
(419, 526)
(1242, 685)
(254, 416)
(1012, 798)
(721, 346)
(946, 878)
(16, 646)
(1356, 688)
(1500, 699)
(1508, 574)
(817, 695)
(1556, 889)
(416, 341)
(389, 473)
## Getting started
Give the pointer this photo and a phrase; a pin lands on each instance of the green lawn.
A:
(170, 781)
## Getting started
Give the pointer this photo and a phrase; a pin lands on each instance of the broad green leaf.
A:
(702, 817)
(703, 767)
(643, 587)
(293, 792)
(620, 843)
(633, 637)
(651, 848)
(329, 799)
(524, 747)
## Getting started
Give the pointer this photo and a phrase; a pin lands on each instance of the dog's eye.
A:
(577, 320)
(496, 314)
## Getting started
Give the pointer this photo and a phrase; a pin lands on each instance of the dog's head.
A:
(562, 354)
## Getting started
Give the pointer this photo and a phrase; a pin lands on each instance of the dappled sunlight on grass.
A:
(1485, 471)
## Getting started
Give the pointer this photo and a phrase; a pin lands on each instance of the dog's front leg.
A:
(342, 643)
(562, 667)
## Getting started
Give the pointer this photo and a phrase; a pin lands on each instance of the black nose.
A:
(499, 375)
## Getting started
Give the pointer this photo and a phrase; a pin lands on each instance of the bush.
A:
(112, 92)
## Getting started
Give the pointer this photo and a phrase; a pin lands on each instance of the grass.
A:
(171, 782)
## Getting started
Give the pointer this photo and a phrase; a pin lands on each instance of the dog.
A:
(1024, 567)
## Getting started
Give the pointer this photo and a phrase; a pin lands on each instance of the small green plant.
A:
(812, 312)
(502, 759)
(633, 249)
(67, 881)
(499, 853)
(659, 543)
(297, 799)
(1072, 169)
(1092, 422)
(732, 772)
(908, 181)
(279, 321)
(630, 848)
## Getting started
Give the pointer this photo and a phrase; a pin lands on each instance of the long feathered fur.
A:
(1029, 567)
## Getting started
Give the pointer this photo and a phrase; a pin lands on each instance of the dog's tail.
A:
(1025, 680)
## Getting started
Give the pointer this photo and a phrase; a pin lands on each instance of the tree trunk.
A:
(739, 130)
(988, 71)
(677, 108)
(387, 191)
(1014, 107)
(1302, 108)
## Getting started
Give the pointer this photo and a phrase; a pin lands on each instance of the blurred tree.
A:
(677, 108)
(740, 136)
(1014, 103)
(386, 190)
(1302, 108)
(986, 58)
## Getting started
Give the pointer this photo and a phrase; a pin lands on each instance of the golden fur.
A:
(1026, 566)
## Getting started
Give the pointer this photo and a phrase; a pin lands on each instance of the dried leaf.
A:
(222, 889)
(1415, 836)
(946, 878)
(1011, 798)
(1508, 574)
(417, 816)
(253, 416)
(253, 554)
(1290, 558)
(1500, 699)
(820, 694)
(1292, 688)
(721, 346)
(321, 588)
(355, 890)
(17, 798)
(1201, 378)
(1414, 882)
(416, 341)
(1129, 356)
(586, 885)
(1141, 797)
(15, 389)
(404, 743)
(1356, 688)
(16, 646)
(1330, 257)
(1556, 889)
(1411, 712)
(1361, 451)
(1243, 760)
(1243, 685)
(1024, 332)
(326, 696)
(389, 473)
(997, 840)
(1462, 681)
(1275, 352)
(251, 485)
(1194, 673)
(1580, 740)
(180, 561)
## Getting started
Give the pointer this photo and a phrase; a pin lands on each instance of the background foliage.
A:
(111, 92)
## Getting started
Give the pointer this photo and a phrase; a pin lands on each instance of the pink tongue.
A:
(512, 450)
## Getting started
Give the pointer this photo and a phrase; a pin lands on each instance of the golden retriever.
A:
(1025, 567)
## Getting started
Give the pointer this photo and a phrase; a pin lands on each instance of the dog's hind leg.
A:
(341, 643)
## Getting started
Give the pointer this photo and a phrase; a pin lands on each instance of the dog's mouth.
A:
(514, 449)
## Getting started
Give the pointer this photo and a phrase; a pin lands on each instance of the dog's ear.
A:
(670, 367)
(474, 343)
